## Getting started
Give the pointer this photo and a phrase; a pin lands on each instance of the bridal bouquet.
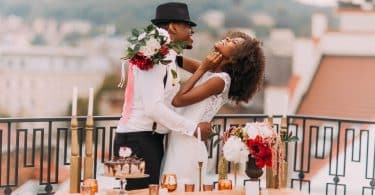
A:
(149, 46)
(258, 139)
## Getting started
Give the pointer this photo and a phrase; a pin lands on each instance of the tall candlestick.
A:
(74, 101)
(91, 102)
(200, 164)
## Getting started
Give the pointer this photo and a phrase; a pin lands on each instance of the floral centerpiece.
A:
(258, 145)
(256, 141)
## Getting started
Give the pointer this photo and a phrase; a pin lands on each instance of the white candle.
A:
(252, 187)
(199, 134)
(74, 101)
(91, 102)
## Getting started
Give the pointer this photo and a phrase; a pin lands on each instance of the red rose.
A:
(141, 61)
(164, 50)
(148, 64)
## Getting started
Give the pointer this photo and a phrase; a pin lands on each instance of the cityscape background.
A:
(48, 46)
(320, 60)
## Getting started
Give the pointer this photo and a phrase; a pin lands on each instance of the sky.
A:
(319, 2)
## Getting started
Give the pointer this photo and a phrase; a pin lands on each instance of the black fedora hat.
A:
(172, 12)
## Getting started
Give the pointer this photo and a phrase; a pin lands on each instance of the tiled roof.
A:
(293, 83)
(344, 87)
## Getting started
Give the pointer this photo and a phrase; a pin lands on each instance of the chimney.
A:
(319, 26)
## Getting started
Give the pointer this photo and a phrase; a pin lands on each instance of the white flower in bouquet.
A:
(251, 130)
(235, 150)
(142, 36)
(152, 45)
(262, 129)
(164, 33)
(265, 130)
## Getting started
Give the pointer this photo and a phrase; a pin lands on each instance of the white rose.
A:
(244, 154)
(251, 130)
(164, 33)
(152, 45)
(266, 130)
(262, 129)
(235, 150)
(141, 36)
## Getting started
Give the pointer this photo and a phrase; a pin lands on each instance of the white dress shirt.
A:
(152, 102)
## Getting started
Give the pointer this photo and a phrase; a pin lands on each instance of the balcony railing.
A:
(333, 156)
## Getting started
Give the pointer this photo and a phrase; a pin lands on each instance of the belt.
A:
(140, 133)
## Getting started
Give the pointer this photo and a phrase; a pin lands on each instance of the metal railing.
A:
(330, 152)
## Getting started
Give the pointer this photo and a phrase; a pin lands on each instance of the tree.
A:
(39, 40)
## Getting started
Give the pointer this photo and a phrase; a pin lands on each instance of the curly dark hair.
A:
(246, 68)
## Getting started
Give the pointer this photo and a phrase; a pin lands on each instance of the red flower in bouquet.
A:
(260, 149)
(141, 61)
(163, 50)
(264, 157)
(254, 145)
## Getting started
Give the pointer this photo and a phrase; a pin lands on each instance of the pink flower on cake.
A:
(125, 152)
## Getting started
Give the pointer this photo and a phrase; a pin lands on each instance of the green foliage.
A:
(174, 74)
(288, 137)
(73, 38)
(178, 46)
(211, 136)
(165, 62)
(38, 40)
(3, 115)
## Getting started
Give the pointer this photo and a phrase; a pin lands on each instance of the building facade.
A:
(38, 81)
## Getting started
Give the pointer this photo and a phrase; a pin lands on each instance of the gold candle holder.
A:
(225, 184)
(75, 160)
(189, 187)
(153, 189)
(89, 160)
(86, 190)
(236, 167)
(207, 187)
(93, 183)
(200, 165)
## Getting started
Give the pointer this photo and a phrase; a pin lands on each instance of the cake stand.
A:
(123, 181)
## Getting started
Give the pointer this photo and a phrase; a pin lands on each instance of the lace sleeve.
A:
(226, 78)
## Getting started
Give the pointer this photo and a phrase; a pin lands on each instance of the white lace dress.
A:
(184, 152)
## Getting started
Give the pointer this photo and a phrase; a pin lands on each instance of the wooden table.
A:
(285, 191)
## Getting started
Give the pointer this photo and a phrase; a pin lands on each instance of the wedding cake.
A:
(125, 165)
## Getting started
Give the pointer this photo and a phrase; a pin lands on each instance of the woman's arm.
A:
(188, 94)
(213, 86)
(189, 64)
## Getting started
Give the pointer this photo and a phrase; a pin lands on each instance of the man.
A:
(151, 115)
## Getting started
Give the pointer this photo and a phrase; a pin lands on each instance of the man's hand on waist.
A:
(205, 128)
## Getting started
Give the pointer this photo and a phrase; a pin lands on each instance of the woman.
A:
(233, 72)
